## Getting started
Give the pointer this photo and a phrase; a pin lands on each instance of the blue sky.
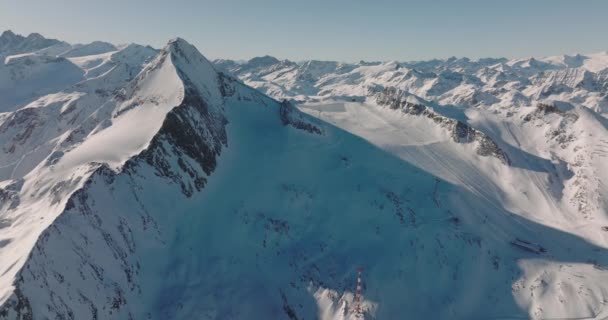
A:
(330, 30)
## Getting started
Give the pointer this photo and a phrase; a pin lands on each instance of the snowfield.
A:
(138, 183)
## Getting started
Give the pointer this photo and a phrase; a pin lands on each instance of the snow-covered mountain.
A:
(544, 120)
(53, 65)
(157, 185)
(11, 43)
(554, 107)
(491, 83)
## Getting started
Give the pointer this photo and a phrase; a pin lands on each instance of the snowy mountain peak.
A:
(262, 61)
(7, 34)
(35, 36)
(11, 43)
(193, 68)
(93, 48)
(103, 126)
(183, 52)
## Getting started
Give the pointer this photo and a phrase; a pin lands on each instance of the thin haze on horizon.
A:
(325, 30)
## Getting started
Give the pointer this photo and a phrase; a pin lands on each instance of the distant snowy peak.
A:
(26, 77)
(11, 43)
(262, 61)
(34, 66)
(193, 68)
(256, 67)
(35, 43)
(96, 47)
(572, 78)
(594, 62)
(133, 50)
(491, 82)
(132, 56)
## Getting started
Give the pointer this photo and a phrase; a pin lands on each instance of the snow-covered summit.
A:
(95, 47)
(11, 43)
(77, 131)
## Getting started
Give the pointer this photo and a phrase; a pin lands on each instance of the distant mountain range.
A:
(493, 83)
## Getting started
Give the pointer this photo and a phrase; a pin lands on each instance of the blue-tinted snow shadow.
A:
(430, 249)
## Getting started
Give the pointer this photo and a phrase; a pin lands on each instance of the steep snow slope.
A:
(98, 64)
(26, 77)
(34, 66)
(534, 110)
(63, 158)
(550, 177)
(93, 48)
(65, 117)
(450, 118)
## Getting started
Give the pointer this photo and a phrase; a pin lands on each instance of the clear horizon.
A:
(341, 30)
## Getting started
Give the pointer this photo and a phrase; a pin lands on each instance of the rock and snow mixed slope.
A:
(543, 119)
(157, 187)
(33, 66)
(548, 114)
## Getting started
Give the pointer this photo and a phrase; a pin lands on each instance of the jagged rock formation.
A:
(459, 131)
(291, 116)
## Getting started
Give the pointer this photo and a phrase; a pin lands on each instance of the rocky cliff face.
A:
(98, 274)
(459, 131)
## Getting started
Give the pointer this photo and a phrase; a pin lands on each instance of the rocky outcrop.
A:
(542, 109)
(85, 264)
(193, 135)
(291, 116)
(459, 131)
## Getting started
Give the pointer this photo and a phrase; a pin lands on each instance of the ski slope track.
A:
(159, 185)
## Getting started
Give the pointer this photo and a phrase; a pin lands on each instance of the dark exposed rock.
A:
(459, 131)
(17, 307)
(543, 109)
(548, 108)
(184, 151)
(9, 195)
(291, 116)
(193, 134)
(23, 122)
(562, 133)
(287, 308)
(528, 246)
(226, 84)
